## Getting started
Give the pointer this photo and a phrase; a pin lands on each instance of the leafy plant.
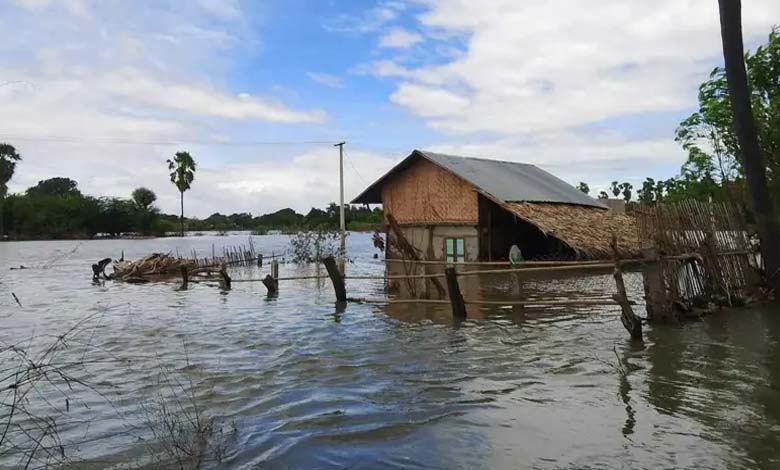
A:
(313, 245)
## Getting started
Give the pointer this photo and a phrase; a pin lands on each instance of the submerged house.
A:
(469, 209)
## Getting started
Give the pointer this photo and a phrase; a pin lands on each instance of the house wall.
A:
(430, 240)
(426, 194)
(421, 237)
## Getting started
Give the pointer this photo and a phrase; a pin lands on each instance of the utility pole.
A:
(342, 222)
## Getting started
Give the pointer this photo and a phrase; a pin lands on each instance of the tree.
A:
(584, 187)
(710, 136)
(751, 156)
(625, 190)
(9, 157)
(647, 193)
(59, 187)
(144, 212)
(144, 198)
(615, 188)
(603, 195)
(182, 169)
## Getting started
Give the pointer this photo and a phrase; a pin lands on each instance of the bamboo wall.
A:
(427, 194)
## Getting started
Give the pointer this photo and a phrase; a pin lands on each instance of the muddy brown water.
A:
(295, 382)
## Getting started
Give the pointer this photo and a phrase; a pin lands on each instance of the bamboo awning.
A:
(586, 230)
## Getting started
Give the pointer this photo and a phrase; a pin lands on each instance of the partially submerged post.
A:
(185, 278)
(226, 281)
(630, 321)
(260, 260)
(657, 302)
(271, 284)
(336, 278)
(456, 298)
(271, 281)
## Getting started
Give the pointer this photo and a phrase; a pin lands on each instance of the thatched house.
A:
(469, 209)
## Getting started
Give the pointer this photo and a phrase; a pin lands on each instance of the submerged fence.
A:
(696, 253)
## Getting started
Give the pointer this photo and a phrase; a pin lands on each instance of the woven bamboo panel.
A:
(716, 233)
(427, 194)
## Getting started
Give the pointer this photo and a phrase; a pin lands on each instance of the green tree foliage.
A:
(144, 198)
(615, 188)
(584, 187)
(9, 157)
(143, 211)
(55, 208)
(58, 187)
(182, 169)
(714, 167)
(626, 190)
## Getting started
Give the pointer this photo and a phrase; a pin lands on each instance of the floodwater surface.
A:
(297, 382)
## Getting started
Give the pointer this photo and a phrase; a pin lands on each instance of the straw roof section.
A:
(587, 230)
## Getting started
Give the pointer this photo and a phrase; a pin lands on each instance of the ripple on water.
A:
(308, 385)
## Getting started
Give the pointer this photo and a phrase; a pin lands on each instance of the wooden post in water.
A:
(336, 277)
(271, 281)
(272, 285)
(456, 298)
(260, 260)
(630, 321)
(657, 302)
(225, 278)
(185, 278)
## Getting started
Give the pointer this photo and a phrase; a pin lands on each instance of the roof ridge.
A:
(482, 159)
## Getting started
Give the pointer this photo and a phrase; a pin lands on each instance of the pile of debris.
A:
(156, 265)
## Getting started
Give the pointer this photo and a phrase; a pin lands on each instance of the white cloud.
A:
(537, 67)
(372, 20)
(399, 38)
(430, 102)
(222, 9)
(76, 7)
(328, 80)
(200, 100)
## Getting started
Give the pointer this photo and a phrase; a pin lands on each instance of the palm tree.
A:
(8, 159)
(615, 187)
(752, 158)
(182, 169)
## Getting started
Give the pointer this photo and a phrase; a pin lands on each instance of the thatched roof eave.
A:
(588, 231)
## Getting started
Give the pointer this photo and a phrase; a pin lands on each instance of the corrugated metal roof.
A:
(506, 181)
(512, 181)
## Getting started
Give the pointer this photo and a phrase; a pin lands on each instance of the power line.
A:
(113, 141)
(349, 160)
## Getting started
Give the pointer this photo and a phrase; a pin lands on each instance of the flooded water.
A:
(295, 382)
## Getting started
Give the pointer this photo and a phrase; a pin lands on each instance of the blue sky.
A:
(105, 91)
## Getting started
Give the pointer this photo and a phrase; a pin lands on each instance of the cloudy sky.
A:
(104, 91)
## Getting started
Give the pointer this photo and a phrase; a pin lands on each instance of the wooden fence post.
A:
(456, 298)
(336, 277)
(271, 284)
(225, 278)
(260, 260)
(271, 281)
(631, 322)
(185, 278)
(657, 302)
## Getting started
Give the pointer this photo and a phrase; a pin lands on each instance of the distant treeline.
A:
(56, 208)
